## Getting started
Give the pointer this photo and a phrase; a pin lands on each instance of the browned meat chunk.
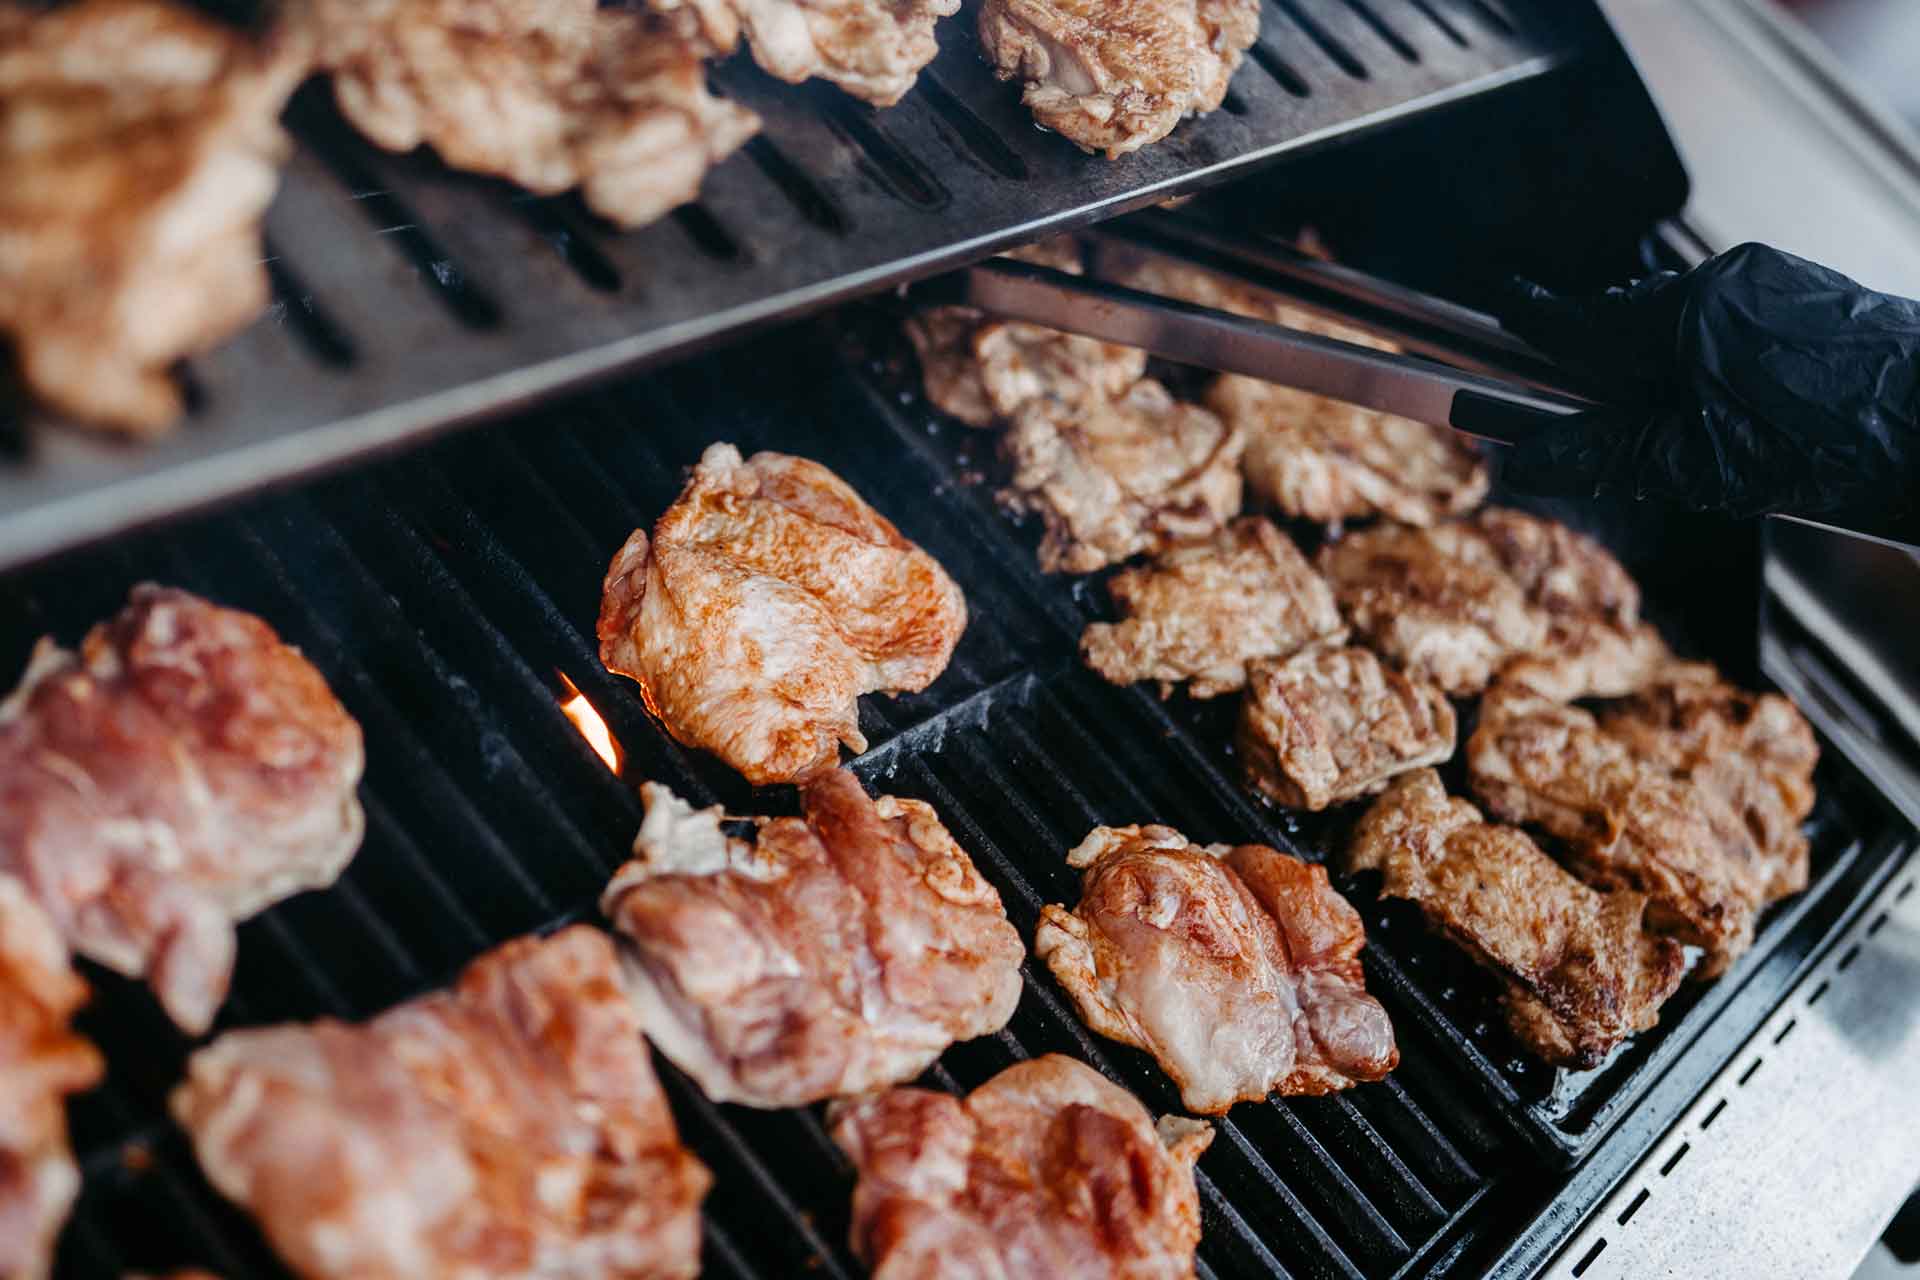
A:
(1321, 459)
(1202, 610)
(1120, 477)
(140, 144)
(1045, 1170)
(1238, 969)
(1627, 819)
(184, 770)
(41, 1062)
(552, 94)
(509, 1126)
(769, 598)
(1331, 724)
(1752, 751)
(1116, 76)
(1312, 457)
(1579, 974)
(1455, 602)
(841, 952)
(873, 49)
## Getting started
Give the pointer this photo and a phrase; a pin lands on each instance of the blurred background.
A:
(1877, 41)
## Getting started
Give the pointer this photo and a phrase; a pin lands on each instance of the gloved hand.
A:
(1757, 382)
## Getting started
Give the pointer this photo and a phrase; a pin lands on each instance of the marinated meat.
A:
(873, 49)
(981, 371)
(1045, 1170)
(511, 1125)
(1325, 460)
(1754, 752)
(1579, 974)
(1116, 76)
(1120, 477)
(1312, 457)
(141, 144)
(552, 94)
(841, 952)
(1626, 820)
(1202, 610)
(1238, 969)
(1332, 723)
(769, 598)
(182, 771)
(41, 1062)
(1455, 602)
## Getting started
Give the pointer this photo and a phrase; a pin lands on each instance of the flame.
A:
(594, 729)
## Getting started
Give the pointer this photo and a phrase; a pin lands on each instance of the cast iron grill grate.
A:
(441, 594)
(412, 298)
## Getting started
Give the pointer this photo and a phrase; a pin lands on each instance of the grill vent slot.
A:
(1342, 56)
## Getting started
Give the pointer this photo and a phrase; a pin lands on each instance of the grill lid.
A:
(411, 298)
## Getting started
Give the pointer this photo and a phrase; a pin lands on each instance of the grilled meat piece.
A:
(841, 952)
(873, 49)
(551, 94)
(1045, 1170)
(511, 1125)
(1312, 457)
(1332, 723)
(1627, 820)
(184, 770)
(1578, 973)
(1114, 77)
(1202, 610)
(769, 598)
(1754, 752)
(981, 371)
(1115, 478)
(41, 1062)
(1456, 601)
(1238, 969)
(140, 145)
(1324, 460)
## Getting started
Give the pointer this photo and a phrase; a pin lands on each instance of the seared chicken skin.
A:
(1237, 968)
(981, 371)
(840, 952)
(1671, 796)
(182, 771)
(1454, 602)
(552, 94)
(1114, 77)
(140, 144)
(511, 1125)
(41, 1062)
(1115, 478)
(1331, 723)
(1045, 1170)
(1579, 974)
(1202, 610)
(768, 599)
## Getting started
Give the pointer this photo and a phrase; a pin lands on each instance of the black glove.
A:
(1757, 382)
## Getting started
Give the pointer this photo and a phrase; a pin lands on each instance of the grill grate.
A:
(441, 593)
(412, 298)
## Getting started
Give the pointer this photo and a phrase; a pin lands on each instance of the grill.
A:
(411, 298)
(444, 593)
(449, 595)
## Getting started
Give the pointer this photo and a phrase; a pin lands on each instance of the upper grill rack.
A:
(411, 298)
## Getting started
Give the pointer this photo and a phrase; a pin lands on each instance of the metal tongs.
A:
(1491, 386)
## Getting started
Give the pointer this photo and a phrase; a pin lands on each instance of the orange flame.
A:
(594, 729)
